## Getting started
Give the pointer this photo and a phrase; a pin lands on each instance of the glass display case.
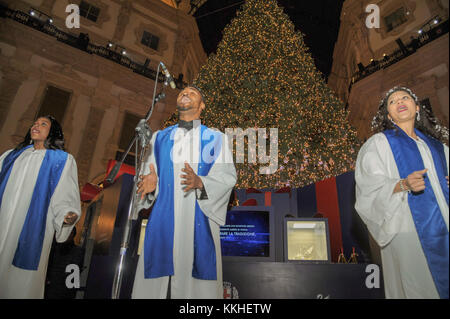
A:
(306, 240)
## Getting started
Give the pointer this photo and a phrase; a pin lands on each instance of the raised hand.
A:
(191, 180)
(148, 182)
(70, 219)
(415, 181)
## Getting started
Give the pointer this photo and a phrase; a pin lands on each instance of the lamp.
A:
(41, 16)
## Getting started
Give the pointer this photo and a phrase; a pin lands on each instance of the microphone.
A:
(159, 97)
(168, 76)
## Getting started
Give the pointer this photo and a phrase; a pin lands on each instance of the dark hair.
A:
(427, 124)
(202, 94)
(55, 138)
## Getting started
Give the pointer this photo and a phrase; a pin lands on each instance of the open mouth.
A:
(35, 131)
(402, 108)
(185, 99)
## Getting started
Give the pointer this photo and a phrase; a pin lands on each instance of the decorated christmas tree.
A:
(263, 76)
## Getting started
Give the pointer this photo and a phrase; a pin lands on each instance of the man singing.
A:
(190, 168)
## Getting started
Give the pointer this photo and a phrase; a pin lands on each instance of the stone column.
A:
(11, 82)
(89, 141)
(427, 88)
(68, 117)
(113, 142)
(182, 43)
(16, 72)
(122, 20)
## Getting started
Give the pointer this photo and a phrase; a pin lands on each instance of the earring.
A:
(418, 116)
(392, 121)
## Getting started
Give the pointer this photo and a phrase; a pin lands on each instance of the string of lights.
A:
(263, 76)
(219, 10)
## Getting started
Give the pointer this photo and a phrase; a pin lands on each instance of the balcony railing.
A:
(82, 43)
(403, 52)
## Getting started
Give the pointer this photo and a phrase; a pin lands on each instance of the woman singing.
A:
(402, 196)
(39, 196)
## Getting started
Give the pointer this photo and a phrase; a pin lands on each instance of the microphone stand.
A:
(143, 136)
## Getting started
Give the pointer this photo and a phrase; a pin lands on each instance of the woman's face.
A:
(401, 107)
(40, 129)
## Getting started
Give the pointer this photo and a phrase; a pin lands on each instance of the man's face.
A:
(190, 104)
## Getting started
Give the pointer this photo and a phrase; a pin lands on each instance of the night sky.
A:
(317, 19)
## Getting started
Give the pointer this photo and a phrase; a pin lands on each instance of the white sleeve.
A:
(65, 199)
(150, 159)
(218, 185)
(446, 156)
(2, 158)
(376, 176)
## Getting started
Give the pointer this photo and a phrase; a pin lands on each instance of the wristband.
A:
(402, 186)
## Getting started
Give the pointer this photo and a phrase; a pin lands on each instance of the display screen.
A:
(246, 233)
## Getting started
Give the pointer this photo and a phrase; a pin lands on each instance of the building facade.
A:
(408, 47)
(97, 79)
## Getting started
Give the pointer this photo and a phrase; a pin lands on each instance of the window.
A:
(89, 11)
(130, 122)
(150, 40)
(395, 19)
(55, 103)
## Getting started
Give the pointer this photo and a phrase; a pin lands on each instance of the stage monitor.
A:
(306, 240)
(248, 234)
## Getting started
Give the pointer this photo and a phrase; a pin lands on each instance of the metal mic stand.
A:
(143, 137)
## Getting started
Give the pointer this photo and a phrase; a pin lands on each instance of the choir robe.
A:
(218, 185)
(389, 220)
(15, 282)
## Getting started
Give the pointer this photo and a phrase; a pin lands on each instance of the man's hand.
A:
(415, 181)
(70, 219)
(147, 183)
(191, 180)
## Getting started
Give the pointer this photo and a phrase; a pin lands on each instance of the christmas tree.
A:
(262, 76)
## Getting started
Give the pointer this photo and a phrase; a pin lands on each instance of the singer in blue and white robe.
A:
(16, 281)
(179, 262)
(392, 221)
